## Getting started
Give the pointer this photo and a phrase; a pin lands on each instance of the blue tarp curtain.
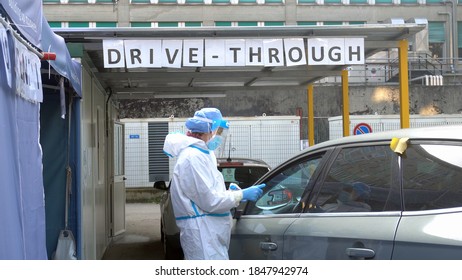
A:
(22, 201)
(22, 205)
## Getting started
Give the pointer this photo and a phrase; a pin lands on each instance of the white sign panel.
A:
(193, 53)
(6, 54)
(143, 53)
(114, 54)
(294, 51)
(274, 52)
(354, 50)
(214, 52)
(233, 52)
(28, 76)
(172, 51)
(336, 51)
(254, 49)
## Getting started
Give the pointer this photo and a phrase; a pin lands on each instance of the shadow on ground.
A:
(141, 240)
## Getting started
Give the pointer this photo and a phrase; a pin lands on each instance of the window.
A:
(332, 23)
(274, 23)
(432, 177)
(104, 1)
(358, 2)
(332, 1)
(284, 190)
(273, 1)
(79, 24)
(356, 22)
(389, 2)
(221, 1)
(223, 23)
(54, 24)
(247, 23)
(106, 24)
(193, 24)
(307, 23)
(247, 1)
(436, 38)
(168, 24)
(141, 1)
(51, 1)
(140, 24)
(194, 1)
(409, 2)
(360, 180)
(306, 1)
(459, 37)
(167, 1)
(78, 1)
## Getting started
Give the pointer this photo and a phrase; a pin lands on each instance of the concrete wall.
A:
(364, 100)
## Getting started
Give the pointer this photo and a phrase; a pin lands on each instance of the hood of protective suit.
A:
(177, 142)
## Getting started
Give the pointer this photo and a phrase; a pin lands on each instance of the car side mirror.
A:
(160, 185)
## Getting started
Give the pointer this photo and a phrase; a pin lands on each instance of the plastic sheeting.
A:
(22, 205)
(63, 64)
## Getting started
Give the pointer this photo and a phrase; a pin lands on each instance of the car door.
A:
(354, 211)
(432, 193)
(258, 233)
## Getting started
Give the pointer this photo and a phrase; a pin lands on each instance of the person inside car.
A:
(201, 203)
(352, 199)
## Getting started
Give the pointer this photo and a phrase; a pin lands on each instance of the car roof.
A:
(242, 161)
(445, 132)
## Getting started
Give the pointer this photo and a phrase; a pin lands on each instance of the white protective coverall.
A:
(201, 203)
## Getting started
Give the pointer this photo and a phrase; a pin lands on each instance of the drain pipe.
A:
(451, 39)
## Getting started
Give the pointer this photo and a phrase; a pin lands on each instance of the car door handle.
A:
(268, 246)
(360, 253)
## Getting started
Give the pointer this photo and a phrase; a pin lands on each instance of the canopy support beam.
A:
(403, 83)
(346, 104)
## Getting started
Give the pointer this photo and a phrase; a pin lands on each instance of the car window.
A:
(432, 177)
(359, 180)
(244, 176)
(284, 190)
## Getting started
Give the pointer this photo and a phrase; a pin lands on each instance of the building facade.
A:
(444, 34)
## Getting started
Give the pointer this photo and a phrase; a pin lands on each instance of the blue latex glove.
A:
(234, 187)
(252, 193)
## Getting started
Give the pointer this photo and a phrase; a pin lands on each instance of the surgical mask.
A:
(219, 137)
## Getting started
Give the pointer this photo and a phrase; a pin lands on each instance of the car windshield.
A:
(244, 176)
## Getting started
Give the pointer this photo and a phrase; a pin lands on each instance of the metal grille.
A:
(158, 161)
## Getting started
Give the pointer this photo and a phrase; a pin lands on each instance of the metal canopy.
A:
(192, 81)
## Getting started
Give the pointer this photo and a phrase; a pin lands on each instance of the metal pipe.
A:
(453, 21)
(450, 44)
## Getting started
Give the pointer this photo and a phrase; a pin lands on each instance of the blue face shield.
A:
(220, 136)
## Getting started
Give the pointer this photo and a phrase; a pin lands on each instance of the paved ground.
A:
(141, 240)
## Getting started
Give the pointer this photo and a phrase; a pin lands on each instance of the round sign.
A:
(362, 128)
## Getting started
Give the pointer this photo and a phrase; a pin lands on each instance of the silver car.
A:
(360, 197)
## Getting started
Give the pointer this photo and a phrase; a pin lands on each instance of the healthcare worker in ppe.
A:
(201, 203)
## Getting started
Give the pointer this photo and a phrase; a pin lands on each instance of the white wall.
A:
(94, 193)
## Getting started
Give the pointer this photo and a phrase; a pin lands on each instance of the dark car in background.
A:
(378, 196)
(242, 171)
